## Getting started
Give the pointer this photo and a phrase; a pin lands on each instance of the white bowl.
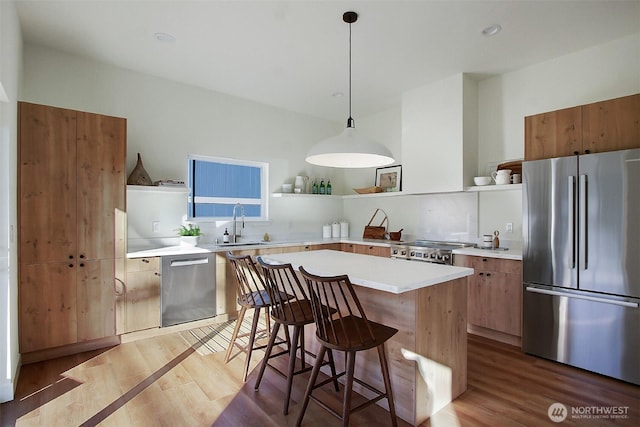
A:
(287, 188)
(482, 180)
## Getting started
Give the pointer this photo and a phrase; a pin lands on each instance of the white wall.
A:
(10, 69)
(601, 72)
(166, 121)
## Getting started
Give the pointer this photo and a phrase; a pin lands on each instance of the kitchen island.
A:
(426, 302)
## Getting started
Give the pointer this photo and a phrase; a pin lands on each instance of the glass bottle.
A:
(329, 187)
(322, 188)
(315, 187)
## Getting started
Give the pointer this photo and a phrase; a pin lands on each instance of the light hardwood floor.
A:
(161, 381)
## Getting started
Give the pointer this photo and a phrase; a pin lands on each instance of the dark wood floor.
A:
(162, 381)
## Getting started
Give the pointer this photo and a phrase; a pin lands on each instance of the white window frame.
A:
(264, 187)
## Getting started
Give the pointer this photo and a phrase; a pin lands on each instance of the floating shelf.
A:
(158, 188)
(493, 187)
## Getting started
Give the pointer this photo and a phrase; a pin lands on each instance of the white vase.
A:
(189, 240)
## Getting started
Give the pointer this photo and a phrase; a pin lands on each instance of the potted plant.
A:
(189, 235)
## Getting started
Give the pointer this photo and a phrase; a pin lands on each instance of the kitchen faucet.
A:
(234, 231)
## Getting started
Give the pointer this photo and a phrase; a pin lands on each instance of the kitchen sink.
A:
(221, 245)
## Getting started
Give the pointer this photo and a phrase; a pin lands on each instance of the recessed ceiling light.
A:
(164, 37)
(491, 30)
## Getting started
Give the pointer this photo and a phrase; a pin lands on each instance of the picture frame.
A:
(389, 178)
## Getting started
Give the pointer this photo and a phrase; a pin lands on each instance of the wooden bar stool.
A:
(251, 295)
(348, 330)
(290, 306)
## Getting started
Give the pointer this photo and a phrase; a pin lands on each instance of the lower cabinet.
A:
(383, 251)
(141, 294)
(494, 294)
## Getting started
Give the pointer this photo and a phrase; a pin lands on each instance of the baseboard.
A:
(495, 335)
(154, 332)
(8, 388)
(66, 350)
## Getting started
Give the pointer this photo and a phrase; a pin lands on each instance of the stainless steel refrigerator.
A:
(581, 261)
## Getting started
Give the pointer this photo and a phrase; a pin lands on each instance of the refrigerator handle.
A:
(628, 304)
(584, 243)
(572, 218)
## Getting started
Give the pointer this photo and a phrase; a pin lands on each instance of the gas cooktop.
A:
(427, 250)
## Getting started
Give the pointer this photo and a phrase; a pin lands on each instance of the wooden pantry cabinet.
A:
(593, 128)
(71, 210)
(494, 294)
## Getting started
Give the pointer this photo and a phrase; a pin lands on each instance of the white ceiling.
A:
(294, 54)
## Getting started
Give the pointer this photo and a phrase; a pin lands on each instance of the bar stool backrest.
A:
(288, 296)
(347, 326)
(249, 280)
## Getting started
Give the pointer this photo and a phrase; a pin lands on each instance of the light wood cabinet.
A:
(383, 251)
(142, 294)
(494, 293)
(71, 224)
(593, 128)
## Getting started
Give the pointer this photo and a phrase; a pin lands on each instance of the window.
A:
(216, 185)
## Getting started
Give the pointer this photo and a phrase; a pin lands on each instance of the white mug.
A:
(516, 178)
(502, 177)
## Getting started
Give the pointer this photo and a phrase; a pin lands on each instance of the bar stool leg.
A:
(292, 365)
(234, 336)
(267, 353)
(252, 339)
(387, 383)
(334, 374)
(311, 384)
(348, 387)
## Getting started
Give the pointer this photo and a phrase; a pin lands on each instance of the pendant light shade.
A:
(349, 149)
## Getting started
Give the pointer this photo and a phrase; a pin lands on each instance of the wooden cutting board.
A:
(514, 165)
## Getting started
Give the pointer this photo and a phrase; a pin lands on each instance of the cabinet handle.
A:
(145, 260)
(70, 256)
(484, 260)
(480, 274)
(370, 248)
(576, 152)
(70, 265)
(81, 264)
(81, 256)
(156, 273)
(488, 274)
(587, 151)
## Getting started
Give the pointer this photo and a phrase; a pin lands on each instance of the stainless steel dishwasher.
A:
(188, 288)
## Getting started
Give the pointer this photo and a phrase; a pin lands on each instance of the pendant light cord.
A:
(350, 123)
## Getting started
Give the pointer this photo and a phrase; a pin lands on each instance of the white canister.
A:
(326, 231)
(344, 229)
(487, 241)
(335, 229)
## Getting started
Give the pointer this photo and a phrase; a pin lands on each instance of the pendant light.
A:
(349, 149)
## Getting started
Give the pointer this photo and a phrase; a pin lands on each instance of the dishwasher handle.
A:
(190, 261)
(583, 297)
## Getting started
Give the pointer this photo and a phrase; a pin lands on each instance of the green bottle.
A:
(322, 188)
(329, 187)
(314, 190)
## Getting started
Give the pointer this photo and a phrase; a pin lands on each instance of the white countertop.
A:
(142, 252)
(511, 253)
(385, 274)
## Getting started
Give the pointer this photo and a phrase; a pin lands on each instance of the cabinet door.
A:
(101, 151)
(553, 134)
(95, 299)
(47, 179)
(612, 125)
(47, 305)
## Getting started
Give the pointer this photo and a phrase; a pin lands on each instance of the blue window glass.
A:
(216, 185)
